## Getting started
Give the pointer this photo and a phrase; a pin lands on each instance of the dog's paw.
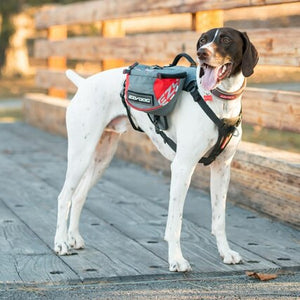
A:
(75, 240)
(180, 265)
(231, 257)
(61, 247)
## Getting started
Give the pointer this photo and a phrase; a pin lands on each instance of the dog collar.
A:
(229, 96)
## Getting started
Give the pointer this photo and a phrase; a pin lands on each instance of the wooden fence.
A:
(117, 40)
(106, 34)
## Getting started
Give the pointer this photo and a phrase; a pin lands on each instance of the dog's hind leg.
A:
(220, 177)
(101, 158)
(84, 131)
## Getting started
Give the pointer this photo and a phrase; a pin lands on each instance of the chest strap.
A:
(226, 127)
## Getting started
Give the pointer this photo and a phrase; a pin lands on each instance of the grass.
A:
(10, 115)
(18, 87)
(283, 140)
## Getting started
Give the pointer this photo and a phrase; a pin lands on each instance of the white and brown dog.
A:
(96, 118)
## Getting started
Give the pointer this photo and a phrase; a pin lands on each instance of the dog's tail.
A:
(74, 77)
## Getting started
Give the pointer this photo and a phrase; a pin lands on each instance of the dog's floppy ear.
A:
(198, 44)
(250, 56)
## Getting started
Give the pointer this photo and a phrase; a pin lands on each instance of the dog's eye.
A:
(226, 40)
(202, 40)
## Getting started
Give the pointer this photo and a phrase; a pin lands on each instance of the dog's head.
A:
(224, 52)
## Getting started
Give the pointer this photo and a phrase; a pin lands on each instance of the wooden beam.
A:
(171, 22)
(112, 29)
(57, 33)
(275, 74)
(281, 48)
(205, 20)
(272, 109)
(92, 11)
(57, 62)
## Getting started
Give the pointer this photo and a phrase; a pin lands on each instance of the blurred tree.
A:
(9, 8)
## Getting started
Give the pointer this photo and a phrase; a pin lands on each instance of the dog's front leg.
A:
(219, 181)
(180, 181)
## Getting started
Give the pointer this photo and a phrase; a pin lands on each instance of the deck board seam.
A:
(125, 234)
(43, 242)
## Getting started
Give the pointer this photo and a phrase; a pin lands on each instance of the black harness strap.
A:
(122, 95)
(226, 128)
(198, 98)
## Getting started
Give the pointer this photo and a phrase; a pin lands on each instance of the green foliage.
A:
(10, 7)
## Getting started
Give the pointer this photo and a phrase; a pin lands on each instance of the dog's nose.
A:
(203, 53)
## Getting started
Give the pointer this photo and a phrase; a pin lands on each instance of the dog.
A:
(96, 118)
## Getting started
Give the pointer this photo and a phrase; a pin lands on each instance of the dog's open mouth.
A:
(211, 76)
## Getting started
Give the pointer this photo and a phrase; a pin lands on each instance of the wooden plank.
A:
(273, 109)
(12, 135)
(283, 161)
(8, 271)
(111, 253)
(279, 49)
(92, 11)
(47, 78)
(50, 112)
(171, 22)
(25, 258)
(112, 29)
(57, 63)
(265, 16)
(57, 33)
(17, 238)
(205, 20)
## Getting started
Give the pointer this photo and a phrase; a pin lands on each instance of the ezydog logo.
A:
(141, 98)
(169, 93)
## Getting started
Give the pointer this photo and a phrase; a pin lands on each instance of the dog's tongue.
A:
(209, 78)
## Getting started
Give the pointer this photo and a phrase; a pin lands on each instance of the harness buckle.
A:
(236, 132)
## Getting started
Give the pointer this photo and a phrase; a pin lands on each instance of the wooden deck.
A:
(123, 221)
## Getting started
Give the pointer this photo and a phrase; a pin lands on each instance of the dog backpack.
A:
(155, 89)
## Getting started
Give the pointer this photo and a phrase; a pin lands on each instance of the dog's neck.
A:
(232, 84)
(225, 108)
